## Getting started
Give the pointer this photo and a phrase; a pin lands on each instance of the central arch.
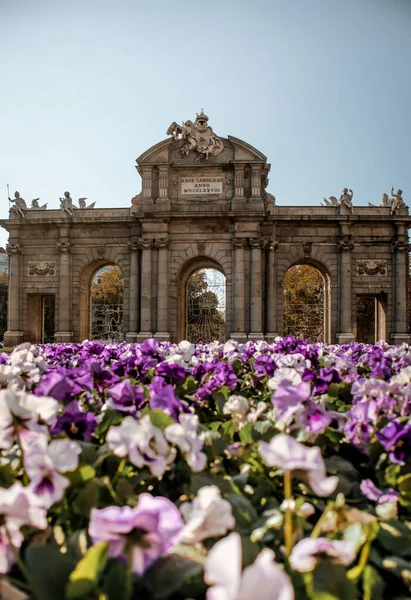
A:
(307, 301)
(202, 301)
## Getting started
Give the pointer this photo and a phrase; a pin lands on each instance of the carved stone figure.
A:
(332, 201)
(20, 204)
(346, 198)
(396, 201)
(67, 204)
(197, 136)
(36, 206)
(385, 201)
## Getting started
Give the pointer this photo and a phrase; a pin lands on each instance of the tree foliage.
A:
(304, 303)
(109, 287)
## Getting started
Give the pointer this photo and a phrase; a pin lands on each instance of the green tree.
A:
(304, 303)
(109, 287)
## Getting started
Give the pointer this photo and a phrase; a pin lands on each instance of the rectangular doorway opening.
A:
(41, 318)
(371, 318)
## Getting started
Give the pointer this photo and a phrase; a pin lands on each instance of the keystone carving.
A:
(201, 247)
(371, 267)
(307, 249)
(346, 243)
(100, 251)
(42, 268)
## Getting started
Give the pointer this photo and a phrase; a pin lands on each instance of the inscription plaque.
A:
(201, 186)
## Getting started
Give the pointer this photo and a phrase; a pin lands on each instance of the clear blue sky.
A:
(322, 87)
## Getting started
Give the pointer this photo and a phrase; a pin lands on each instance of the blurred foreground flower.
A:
(208, 515)
(306, 554)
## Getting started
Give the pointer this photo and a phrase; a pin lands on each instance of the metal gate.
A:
(206, 306)
(305, 321)
(106, 322)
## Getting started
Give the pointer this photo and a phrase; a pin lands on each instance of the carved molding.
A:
(239, 243)
(145, 243)
(42, 267)
(162, 243)
(13, 249)
(63, 247)
(346, 243)
(371, 267)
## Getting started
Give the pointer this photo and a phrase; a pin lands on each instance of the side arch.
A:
(86, 277)
(188, 269)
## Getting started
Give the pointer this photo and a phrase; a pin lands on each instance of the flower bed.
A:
(219, 471)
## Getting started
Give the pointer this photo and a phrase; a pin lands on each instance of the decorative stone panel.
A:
(42, 268)
(371, 267)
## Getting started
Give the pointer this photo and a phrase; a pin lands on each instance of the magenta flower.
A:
(288, 398)
(147, 531)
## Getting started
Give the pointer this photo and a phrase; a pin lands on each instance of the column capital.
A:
(346, 243)
(63, 247)
(133, 246)
(13, 249)
(270, 244)
(255, 242)
(399, 245)
(162, 243)
(145, 243)
(239, 243)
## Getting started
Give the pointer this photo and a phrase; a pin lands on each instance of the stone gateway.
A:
(204, 205)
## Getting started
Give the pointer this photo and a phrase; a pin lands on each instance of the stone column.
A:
(345, 246)
(271, 247)
(147, 182)
(146, 291)
(255, 182)
(256, 328)
(14, 336)
(134, 296)
(239, 182)
(163, 183)
(238, 332)
(400, 291)
(163, 290)
(64, 333)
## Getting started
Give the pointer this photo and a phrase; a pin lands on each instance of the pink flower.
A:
(306, 554)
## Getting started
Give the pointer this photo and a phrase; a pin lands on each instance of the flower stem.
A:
(288, 519)
(356, 571)
(317, 529)
(121, 466)
(16, 556)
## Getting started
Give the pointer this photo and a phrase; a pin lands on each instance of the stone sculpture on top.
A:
(197, 136)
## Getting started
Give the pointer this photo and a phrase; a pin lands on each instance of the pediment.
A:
(157, 154)
(246, 152)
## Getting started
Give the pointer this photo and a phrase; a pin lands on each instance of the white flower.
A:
(144, 444)
(208, 515)
(286, 453)
(23, 409)
(238, 407)
(263, 580)
(306, 554)
(186, 349)
(255, 413)
(24, 367)
(286, 373)
(184, 435)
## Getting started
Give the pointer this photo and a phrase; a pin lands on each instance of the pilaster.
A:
(146, 330)
(163, 290)
(134, 297)
(256, 329)
(64, 333)
(238, 333)
(14, 335)
(345, 247)
(271, 248)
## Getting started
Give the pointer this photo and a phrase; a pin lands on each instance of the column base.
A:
(131, 337)
(162, 336)
(345, 338)
(64, 337)
(12, 338)
(270, 337)
(238, 337)
(257, 337)
(400, 338)
(143, 336)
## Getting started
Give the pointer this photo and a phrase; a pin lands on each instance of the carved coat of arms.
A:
(198, 137)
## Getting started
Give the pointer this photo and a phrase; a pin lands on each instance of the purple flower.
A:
(148, 531)
(370, 490)
(288, 398)
(306, 554)
(57, 384)
(162, 397)
(396, 438)
(126, 397)
(78, 425)
(314, 418)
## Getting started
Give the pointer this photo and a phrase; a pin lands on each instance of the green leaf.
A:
(110, 417)
(116, 582)
(158, 418)
(228, 428)
(373, 584)
(169, 574)
(246, 433)
(85, 576)
(395, 537)
(243, 511)
(81, 475)
(404, 486)
(329, 582)
(7, 476)
(189, 385)
(48, 571)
